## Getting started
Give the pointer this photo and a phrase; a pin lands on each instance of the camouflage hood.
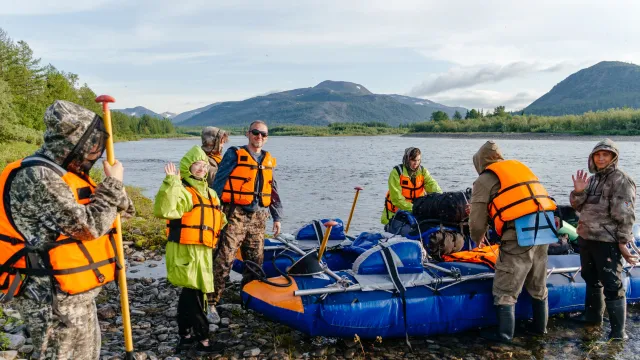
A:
(74, 136)
(211, 139)
(488, 154)
(193, 155)
(608, 145)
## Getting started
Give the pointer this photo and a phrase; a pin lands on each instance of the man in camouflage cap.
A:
(43, 207)
(213, 140)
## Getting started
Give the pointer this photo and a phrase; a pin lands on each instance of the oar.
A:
(122, 276)
(329, 224)
(353, 207)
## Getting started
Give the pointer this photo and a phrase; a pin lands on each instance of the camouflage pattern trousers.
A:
(52, 338)
(519, 266)
(244, 231)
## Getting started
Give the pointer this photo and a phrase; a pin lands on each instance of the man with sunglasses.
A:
(247, 187)
(606, 203)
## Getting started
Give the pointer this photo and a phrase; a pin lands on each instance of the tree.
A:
(439, 116)
(499, 111)
(473, 114)
(457, 115)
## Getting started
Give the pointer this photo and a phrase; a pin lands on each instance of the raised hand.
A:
(171, 170)
(580, 181)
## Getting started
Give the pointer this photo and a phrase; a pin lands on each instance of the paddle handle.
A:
(325, 240)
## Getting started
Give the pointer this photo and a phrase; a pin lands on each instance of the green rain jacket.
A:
(187, 265)
(395, 191)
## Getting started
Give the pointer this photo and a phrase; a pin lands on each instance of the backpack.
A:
(448, 207)
(444, 242)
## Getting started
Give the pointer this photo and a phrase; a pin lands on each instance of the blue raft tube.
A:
(389, 290)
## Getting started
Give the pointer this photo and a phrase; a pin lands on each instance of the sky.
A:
(180, 55)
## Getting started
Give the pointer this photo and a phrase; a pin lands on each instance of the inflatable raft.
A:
(387, 290)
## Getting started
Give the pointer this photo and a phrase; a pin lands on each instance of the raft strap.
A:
(395, 278)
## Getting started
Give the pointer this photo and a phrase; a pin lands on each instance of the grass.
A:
(13, 150)
(145, 230)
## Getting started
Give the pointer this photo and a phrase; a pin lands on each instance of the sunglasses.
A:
(257, 132)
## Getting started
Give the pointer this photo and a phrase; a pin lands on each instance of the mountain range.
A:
(326, 103)
(608, 84)
(605, 85)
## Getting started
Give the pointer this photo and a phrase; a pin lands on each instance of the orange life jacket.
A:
(410, 190)
(488, 255)
(249, 179)
(77, 266)
(201, 225)
(520, 193)
(217, 158)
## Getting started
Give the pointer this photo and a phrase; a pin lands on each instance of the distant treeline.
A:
(608, 122)
(28, 88)
(334, 129)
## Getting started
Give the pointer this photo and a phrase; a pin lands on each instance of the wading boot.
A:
(506, 324)
(617, 310)
(593, 307)
(540, 317)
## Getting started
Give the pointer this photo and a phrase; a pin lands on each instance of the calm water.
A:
(316, 176)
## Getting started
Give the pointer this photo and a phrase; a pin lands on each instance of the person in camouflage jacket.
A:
(43, 207)
(606, 203)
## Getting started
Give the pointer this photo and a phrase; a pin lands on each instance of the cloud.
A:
(487, 99)
(49, 7)
(464, 77)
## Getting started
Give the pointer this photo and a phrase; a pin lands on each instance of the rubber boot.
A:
(617, 310)
(506, 324)
(594, 307)
(540, 317)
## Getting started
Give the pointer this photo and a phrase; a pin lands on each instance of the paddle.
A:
(122, 276)
(353, 207)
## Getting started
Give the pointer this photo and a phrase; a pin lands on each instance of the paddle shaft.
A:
(122, 274)
(353, 207)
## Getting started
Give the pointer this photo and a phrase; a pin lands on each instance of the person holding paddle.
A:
(57, 246)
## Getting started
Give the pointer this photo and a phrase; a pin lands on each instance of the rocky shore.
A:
(248, 335)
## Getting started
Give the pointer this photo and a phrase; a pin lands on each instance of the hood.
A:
(405, 162)
(211, 138)
(488, 154)
(193, 155)
(606, 144)
(74, 137)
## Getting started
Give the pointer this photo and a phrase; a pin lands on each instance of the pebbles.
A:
(244, 334)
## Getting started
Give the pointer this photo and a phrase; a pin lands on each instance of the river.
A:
(316, 177)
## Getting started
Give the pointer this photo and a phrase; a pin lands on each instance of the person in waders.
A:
(57, 247)
(407, 182)
(606, 203)
(194, 222)
(508, 195)
(247, 186)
